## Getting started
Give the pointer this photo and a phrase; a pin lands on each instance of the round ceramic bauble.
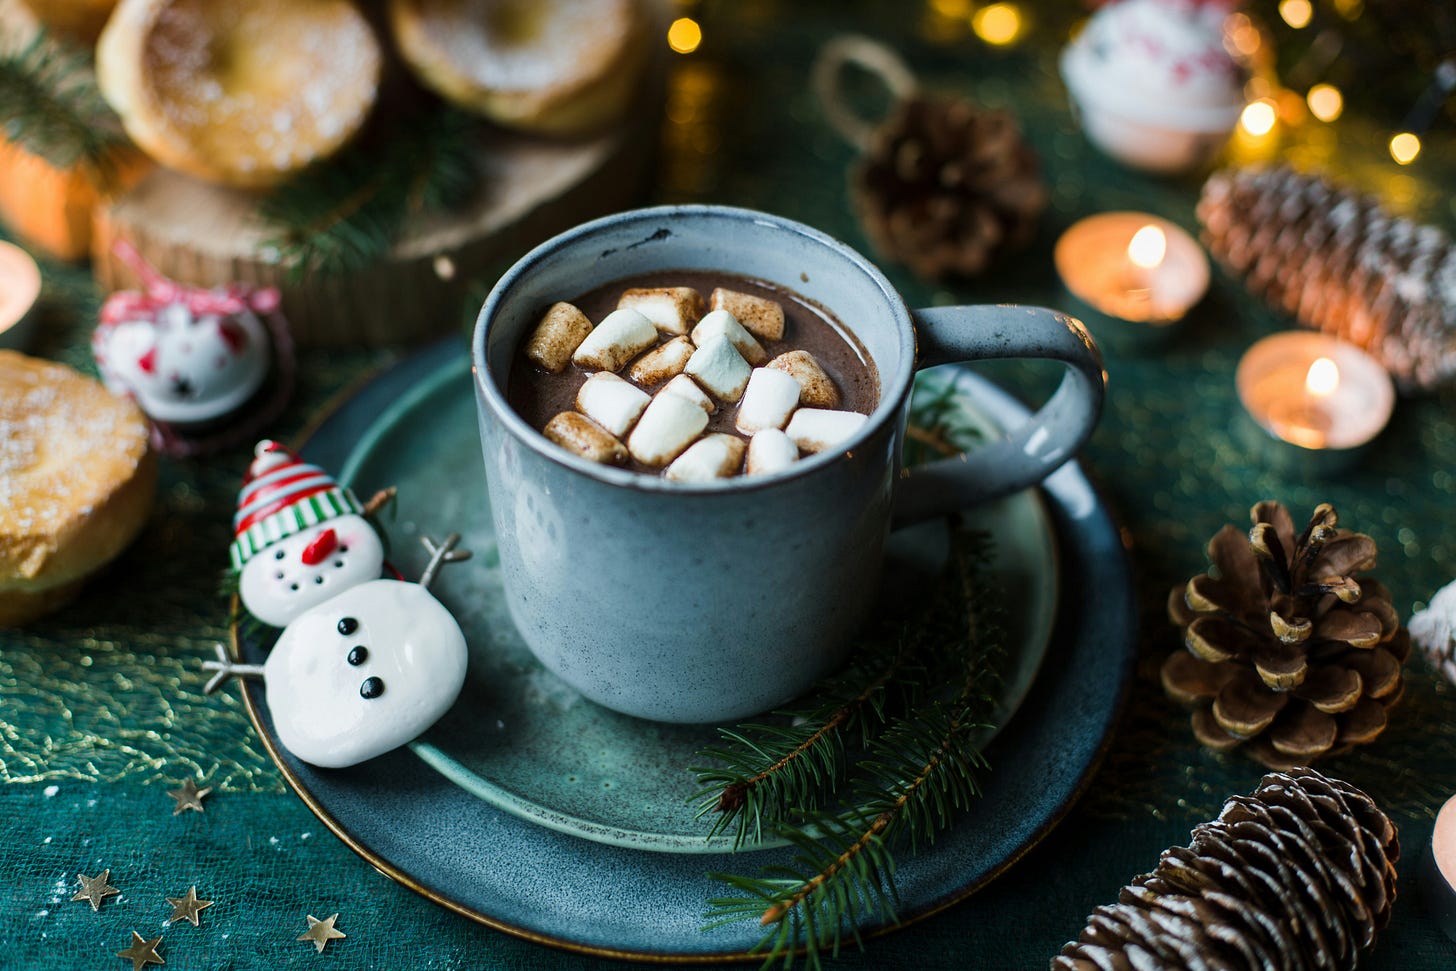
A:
(364, 672)
(184, 365)
(1152, 83)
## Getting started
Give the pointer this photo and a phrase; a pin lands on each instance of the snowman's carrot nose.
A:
(323, 544)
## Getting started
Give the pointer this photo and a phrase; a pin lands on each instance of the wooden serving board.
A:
(208, 235)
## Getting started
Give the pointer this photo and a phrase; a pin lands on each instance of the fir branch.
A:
(344, 214)
(915, 776)
(52, 108)
(940, 425)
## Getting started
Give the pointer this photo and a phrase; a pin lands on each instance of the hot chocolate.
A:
(693, 374)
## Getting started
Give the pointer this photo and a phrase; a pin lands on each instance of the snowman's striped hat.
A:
(281, 495)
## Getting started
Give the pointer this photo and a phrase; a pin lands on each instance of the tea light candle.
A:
(1142, 272)
(1438, 870)
(1315, 393)
(19, 288)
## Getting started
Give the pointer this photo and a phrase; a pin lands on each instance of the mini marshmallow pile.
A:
(787, 405)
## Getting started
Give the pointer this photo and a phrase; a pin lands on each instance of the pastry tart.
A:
(77, 481)
(559, 67)
(243, 94)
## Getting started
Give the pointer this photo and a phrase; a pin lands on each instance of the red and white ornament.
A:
(1153, 83)
(193, 359)
(299, 538)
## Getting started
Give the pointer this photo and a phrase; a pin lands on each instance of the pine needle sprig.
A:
(940, 425)
(913, 778)
(51, 106)
(344, 214)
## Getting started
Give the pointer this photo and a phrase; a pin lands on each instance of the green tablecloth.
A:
(101, 710)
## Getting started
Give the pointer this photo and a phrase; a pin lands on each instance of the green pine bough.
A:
(346, 213)
(880, 759)
(51, 107)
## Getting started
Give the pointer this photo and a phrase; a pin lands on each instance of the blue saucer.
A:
(463, 817)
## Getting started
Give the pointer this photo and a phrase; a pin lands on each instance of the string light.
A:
(1404, 147)
(1258, 117)
(684, 35)
(1325, 102)
(1296, 13)
(998, 24)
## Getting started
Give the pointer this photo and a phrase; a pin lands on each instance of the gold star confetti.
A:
(320, 932)
(188, 797)
(95, 889)
(188, 907)
(142, 952)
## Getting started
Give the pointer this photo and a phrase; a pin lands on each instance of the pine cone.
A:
(1299, 875)
(945, 186)
(1287, 653)
(1341, 264)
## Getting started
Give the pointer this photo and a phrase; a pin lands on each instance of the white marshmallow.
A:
(662, 362)
(818, 388)
(557, 337)
(672, 310)
(717, 456)
(770, 398)
(611, 402)
(770, 451)
(687, 388)
(815, 429)
(668, 426)
(579, 434)
(621, 336)
(720, 323)
(719, 369)
(760, 316)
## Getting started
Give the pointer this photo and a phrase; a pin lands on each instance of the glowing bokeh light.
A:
(1296, 13)
(1404, 147)
(999, 23)
(684, 35)
(1258, 118)
(1325, 102)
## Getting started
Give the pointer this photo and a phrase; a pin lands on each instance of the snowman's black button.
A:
(348, 625)
(371, 688)
(358, 655)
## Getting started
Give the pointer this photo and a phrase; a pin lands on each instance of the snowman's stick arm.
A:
(226, 668)
(441, 554)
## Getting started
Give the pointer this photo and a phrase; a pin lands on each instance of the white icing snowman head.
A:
(364, 672)
(300, 538)
(188, 357)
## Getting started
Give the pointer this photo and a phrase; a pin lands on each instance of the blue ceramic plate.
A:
(550, 834)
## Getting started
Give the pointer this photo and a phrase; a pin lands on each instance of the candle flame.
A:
(1323, 378)
(1148, 247)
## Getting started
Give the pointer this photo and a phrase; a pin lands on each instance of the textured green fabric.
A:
(101, 708)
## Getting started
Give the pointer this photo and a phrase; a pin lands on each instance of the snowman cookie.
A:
(299, 537)
(363, 671)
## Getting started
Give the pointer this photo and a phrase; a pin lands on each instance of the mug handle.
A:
(1043, 442)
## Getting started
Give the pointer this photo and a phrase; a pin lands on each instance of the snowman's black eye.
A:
(343, 548)
(371, 688)
(348, 625)
(358, 655)
(278, 555)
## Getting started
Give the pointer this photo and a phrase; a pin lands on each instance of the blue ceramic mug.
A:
(706, 602)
